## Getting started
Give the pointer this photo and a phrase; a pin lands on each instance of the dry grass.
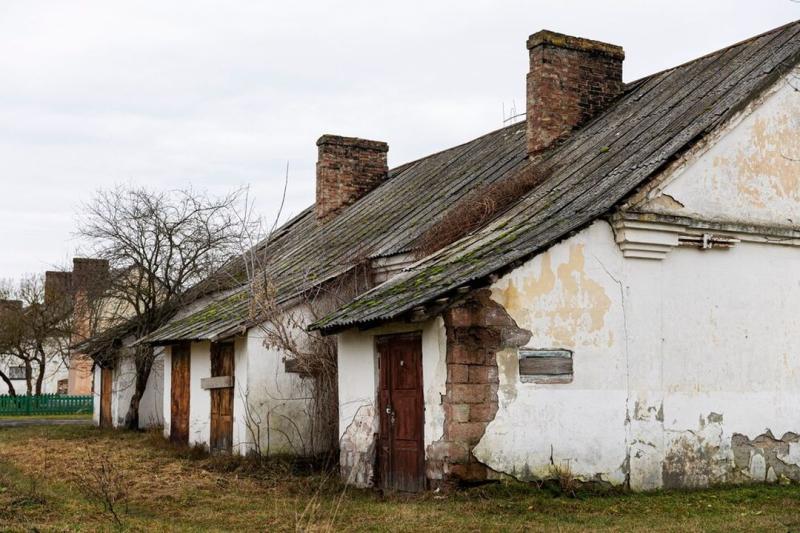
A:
(475, 209)
(184, 490)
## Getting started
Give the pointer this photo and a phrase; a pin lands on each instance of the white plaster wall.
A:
(281, 409)
(748, 170)
(671, 359)
(122, 388)
(96, 397)
(199, 399)
(151, 412)
(55, 370)
(358, 383)
(568, 298)
(166, 399)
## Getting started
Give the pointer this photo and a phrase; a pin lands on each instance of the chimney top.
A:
(559, 40)
(355, 142)
(347, 169)
(570, 81)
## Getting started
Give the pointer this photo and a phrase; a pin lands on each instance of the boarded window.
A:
(16, 372)
(293, 366)
(545, 366)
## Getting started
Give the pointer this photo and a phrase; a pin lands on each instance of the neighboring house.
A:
(633, 319)
(630, 318)
(57, 292)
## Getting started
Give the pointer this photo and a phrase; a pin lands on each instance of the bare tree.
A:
(159, 245)
(34, 332)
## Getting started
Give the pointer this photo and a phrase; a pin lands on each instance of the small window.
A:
(293, 366)
(545, 366)
(16, 372)
(63, 386)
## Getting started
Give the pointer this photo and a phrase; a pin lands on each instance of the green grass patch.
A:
(43, 486)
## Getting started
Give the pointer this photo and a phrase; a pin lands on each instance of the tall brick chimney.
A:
(570, 80)
(347, 169)
(90, 278)
(57, 287)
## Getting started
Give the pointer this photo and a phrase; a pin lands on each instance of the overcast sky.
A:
(217, 95)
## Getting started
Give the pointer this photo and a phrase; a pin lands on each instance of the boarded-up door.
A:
(222, 398)
(401, 455)
(106, 376)
(179, 382)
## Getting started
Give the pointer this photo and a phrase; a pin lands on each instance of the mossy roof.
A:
(385, 222)
(656, 120)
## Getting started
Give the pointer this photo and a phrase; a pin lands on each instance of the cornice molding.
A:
(652, 236)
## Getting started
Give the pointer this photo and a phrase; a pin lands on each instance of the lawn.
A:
(76, 416)
(48, 475)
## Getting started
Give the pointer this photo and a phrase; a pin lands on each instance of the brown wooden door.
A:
(179, 405)
(221, 399)
(401, 454)
(106, 377)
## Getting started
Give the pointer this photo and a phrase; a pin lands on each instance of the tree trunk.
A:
(40, 361)
(40, 378)
(29, 377)
(11, 390)
(144, 363)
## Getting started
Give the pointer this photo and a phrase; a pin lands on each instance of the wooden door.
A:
(106, 377)
(179, 405)
(221, 398)
(401, 454)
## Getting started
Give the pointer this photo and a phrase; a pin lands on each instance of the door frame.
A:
(106, 383)
(186, 352)
(383, 469)
(214, 350)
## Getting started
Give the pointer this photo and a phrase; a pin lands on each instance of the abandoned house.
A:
(632, 319)
(623, 308)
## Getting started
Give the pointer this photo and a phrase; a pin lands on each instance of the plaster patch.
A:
(567, 301)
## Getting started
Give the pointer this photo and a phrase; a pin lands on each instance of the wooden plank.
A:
(545, 366)
(218, 382)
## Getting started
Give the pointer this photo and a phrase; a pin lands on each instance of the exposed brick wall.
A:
(347, 169)
(476, 330)
(570, 81)
(90, 278)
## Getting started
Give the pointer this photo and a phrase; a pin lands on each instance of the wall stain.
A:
(560, 304)
(764, 169)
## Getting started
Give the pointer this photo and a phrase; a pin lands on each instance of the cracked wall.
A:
(683, 367)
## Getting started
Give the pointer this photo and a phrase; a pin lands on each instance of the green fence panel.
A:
(45, 404)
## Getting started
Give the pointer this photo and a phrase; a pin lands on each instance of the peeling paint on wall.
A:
(749, 171)
(767, 458)
(568, 299)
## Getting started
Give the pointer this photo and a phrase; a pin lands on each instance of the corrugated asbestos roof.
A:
(657, 119)
(387, 221)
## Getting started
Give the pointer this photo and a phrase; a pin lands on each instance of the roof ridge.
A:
(714, 52)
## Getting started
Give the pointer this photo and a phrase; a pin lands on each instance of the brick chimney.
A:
(347, 169)
(57, 287)
(89, 276)
(570, 81)
(10, 306)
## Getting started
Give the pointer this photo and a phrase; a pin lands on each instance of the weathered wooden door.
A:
(401, 455)
(179, 408)
(106, 377)
(222, 398)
